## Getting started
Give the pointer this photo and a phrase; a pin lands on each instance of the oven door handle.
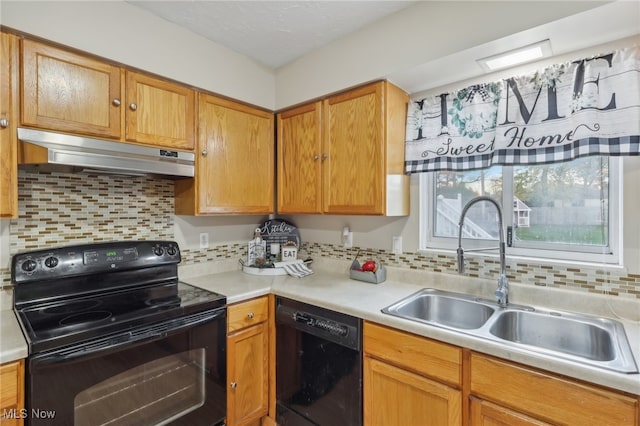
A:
(143, 335)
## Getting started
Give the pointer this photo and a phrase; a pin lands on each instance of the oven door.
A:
(168, 373)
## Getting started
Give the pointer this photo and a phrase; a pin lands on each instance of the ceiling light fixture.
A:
(531, 52)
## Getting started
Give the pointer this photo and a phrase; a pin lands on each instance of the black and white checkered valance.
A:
(565, 111)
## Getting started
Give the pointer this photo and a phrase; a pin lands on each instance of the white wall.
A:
(124, 33)
(410, 37)
(118, 31)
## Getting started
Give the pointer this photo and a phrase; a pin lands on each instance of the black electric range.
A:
(115, 338)
(77, 293)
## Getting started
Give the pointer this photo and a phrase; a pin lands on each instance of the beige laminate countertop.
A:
(330, 287)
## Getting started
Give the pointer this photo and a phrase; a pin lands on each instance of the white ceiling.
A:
(276, 33)
(273, 33)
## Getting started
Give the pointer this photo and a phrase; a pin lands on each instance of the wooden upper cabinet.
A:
(69, 92)
(363, 148)
(354, 152)
(8, 116)
(300, 160)
(345, 155)
(159, 112)
(235, 161)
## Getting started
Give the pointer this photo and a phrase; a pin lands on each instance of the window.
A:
(562, 211)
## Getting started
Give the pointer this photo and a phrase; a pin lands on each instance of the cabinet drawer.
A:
(549, 397)
(246, 314)
(9, 384)
(419, 354)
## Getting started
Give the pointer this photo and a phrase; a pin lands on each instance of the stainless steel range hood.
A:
(50, 150)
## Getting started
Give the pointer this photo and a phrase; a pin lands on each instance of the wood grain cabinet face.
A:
(410, 380)
(68, 92)
(545, 397)
(484, 413)
(234, 161)
(11, 393)
(300, 159)
(354, 148)
(345, 155)
(247, 364)
(8, 117)
(159, 113)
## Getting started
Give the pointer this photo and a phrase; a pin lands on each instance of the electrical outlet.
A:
(396, 245)
(348, 241)
(204, 240)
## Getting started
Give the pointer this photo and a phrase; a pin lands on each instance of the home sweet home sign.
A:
(569, 110)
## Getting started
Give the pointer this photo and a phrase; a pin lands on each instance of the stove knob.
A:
(51, 262)
(171, 251)
(158, 251)
(29, 265)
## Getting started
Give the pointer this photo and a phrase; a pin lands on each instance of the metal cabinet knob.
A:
(4, 123)
(316, 157)
(250, 315)
(133, 107)
(233, 385)
(116, 102)
(204, 152)
(325, 155)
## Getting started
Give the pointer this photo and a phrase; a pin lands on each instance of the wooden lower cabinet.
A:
(12, 393)
(410, 380)
(545, 396)
(247, 362)
(394, 396)
(484, 413)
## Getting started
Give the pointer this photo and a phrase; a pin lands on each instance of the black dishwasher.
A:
(318, 366)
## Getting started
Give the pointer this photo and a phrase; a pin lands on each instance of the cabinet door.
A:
(235, 168)
(393, 396)
(354, 167)
(11, 393)
(300, 160)
(69, 92)
(247, 374)
(159, 113)
(484, 413)
(555, 399)
(8, 115)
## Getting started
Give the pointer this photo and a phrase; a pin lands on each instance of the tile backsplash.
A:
(63, 208)
(58, 208)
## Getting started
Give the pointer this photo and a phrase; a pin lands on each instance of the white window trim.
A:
(429, 243)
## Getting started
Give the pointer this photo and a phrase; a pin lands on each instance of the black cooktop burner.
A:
(85, 317)
(71, 307)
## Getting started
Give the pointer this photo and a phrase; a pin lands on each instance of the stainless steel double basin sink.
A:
(593, 341)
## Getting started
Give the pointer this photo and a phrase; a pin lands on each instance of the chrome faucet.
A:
(502, 292)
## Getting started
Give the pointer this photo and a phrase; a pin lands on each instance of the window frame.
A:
(552, 252)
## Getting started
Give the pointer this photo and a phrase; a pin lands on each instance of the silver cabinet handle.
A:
(116, 102)
(325, 155)
(233, 385)
(4, 123)
(316, 157)
(204, 152)
(133, 107)
(250, 315)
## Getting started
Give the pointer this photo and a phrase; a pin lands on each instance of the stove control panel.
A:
(91, 259)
